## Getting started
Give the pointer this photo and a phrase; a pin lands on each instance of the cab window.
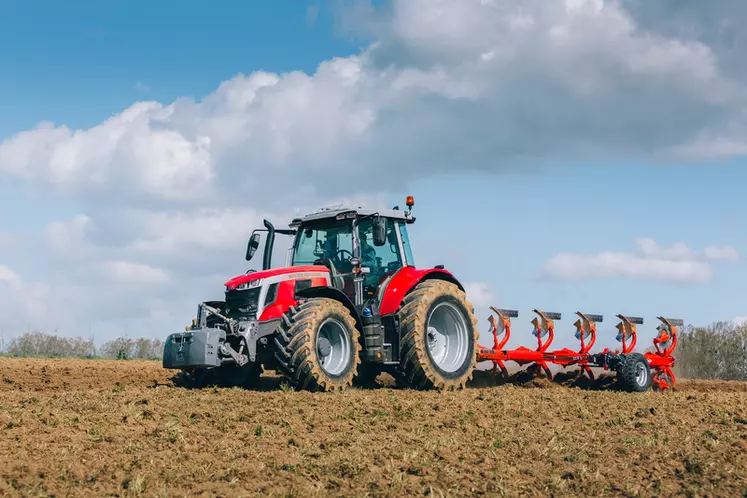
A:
(324, 242)
(382, 260)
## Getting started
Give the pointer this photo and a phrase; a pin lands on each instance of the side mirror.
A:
(252, 246)
(379, 231)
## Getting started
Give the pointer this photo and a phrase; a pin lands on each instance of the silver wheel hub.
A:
(641, 376)
(447, 337)
(333, 347)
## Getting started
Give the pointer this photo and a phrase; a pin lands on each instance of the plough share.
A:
(634, 370)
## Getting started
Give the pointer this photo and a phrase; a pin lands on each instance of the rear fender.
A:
(405, 280)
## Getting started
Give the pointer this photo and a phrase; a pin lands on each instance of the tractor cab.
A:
(361, 248)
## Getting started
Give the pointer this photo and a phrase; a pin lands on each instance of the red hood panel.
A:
(273, 272)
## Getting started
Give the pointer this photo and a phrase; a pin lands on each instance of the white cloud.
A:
(724, 253)
(68, 238)
(8, 275)
(126, 271)
(169, 232)
(479, 294)
(461, 72)
(676, 263)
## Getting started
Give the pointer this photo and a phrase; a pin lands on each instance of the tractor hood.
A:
(273, 272)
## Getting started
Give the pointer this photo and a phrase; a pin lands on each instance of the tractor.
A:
(349, 305)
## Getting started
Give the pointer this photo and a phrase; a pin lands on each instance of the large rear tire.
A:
(439, 337)
(317, 346)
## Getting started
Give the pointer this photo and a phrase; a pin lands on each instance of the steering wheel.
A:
(341, 251)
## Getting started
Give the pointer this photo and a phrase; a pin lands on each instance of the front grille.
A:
(243, 304)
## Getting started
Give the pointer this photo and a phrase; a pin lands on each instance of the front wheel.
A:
(317, 346)
(439, 337)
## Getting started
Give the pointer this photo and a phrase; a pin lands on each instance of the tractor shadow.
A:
(266, 382)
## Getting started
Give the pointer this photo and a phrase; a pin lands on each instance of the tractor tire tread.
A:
(627, 373)
(415, 369)
(294, 350)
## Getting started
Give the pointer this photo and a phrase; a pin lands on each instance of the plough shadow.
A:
(528, 379)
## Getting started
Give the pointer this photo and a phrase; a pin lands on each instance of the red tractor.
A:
(349, 304)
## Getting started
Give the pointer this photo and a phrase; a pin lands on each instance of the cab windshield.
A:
(333, 242)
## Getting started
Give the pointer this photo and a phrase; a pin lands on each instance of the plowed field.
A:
(123, 428)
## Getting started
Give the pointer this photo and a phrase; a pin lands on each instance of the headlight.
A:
(249, 285)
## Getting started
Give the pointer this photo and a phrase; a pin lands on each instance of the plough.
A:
(633, 369)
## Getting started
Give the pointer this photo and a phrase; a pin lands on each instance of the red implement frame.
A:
(661, 361)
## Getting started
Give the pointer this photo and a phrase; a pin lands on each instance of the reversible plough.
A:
(633, 369)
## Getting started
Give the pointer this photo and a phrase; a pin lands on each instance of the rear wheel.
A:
(634, 374)
(439, 337)
(317, 346)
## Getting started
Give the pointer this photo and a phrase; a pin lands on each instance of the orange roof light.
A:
(410, 201)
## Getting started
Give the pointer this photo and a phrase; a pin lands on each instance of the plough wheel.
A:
(634, 374)
(439, 337)
(317, 346)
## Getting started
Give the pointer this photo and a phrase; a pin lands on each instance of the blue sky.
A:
(95, 54)
(517, 144)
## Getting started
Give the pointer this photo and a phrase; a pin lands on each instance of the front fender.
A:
(405, 280)
(332, 293)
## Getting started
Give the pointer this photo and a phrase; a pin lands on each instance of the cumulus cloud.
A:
(724, 253)
(8, 275)
(455, 83)
(676, 263)
(168, 232)
(479, 294)
(169, 191)
(126, 271)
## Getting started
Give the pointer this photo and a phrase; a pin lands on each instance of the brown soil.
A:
(103, 428)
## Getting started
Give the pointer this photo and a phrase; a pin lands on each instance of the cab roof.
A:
(351, 212)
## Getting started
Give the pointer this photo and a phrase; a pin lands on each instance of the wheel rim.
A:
(333, 347)
(641, 376)
(447, 337)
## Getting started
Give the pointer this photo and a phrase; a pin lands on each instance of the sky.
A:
(566, 155)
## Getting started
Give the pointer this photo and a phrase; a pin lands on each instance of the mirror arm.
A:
(269, 243)
(357, 220)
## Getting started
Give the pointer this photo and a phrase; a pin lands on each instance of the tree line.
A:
(718, 351)
(51, 345)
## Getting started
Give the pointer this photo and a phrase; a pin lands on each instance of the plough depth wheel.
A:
(634, 374)
(439, 337)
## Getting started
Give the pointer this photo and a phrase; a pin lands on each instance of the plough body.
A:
(658, 362)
